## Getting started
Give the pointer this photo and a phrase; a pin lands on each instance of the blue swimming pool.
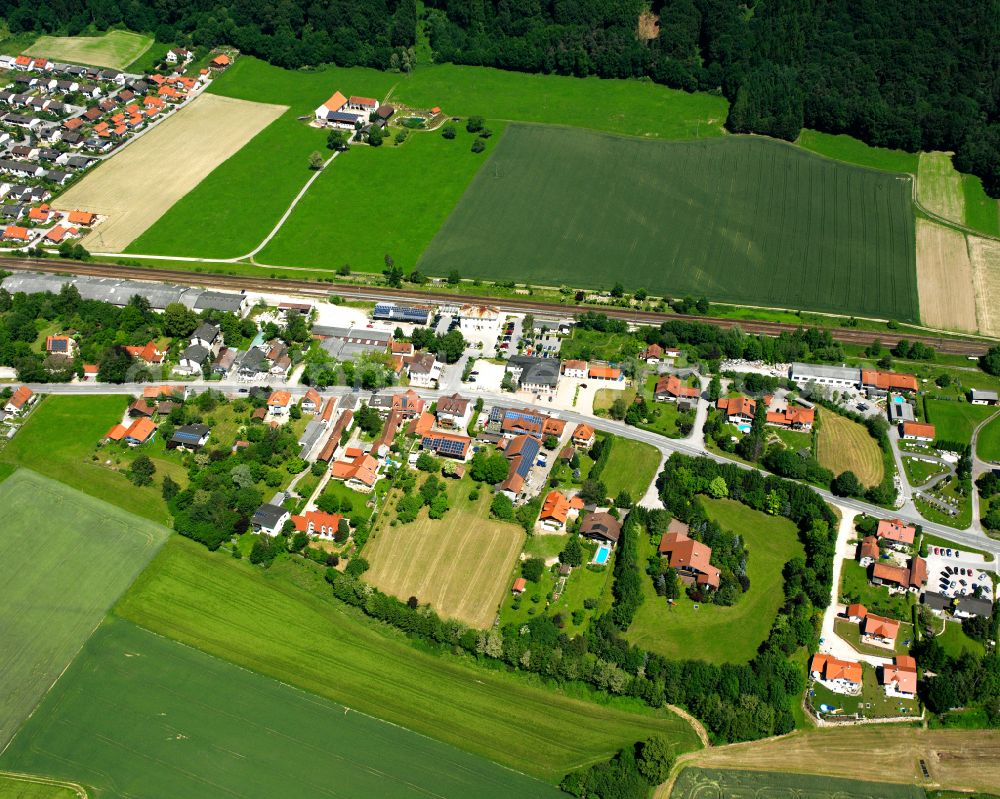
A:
(898, 400)
(602, 554)
(743, 428)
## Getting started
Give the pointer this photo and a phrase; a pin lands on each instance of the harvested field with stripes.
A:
(844, 445)
(985, 254)
(945, 278)
(739, 219)
(461, 564)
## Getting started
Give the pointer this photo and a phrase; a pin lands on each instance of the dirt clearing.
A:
(985, 254)
(939, 186)
(460, 565)
(955, 759)
(136, 187)
(945, 279)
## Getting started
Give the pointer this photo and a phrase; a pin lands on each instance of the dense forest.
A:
(898, 73)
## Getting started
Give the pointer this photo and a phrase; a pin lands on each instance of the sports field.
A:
(844, 445)
(632, 465)
(139, 184)
(115, 49)
(699, 783)
(58, 441)
(284, 623)
(955, 421)
(945, 278)
(376, 201)
(66, 559)
(138, 714)
(939, 187)
(460, 564)
(742, 220)
(957, 759)
(714, 633)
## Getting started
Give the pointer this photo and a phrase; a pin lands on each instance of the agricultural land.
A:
(177, 722)
(939, 187)
(985, 255)
(172, 158)
(460, 565)
(268, 622)
(742, 220)
(700, 783)
(53, 601)
(955, 421)
(945, 278)
(715, 633)
(844, 445)
(32, 787)
(116, 49)
(988, 443)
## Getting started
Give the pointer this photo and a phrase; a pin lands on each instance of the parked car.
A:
(949, 552)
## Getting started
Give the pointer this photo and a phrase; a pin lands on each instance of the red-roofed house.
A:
(856, 613)
(900, 677)
(279, 402)
(883, 382)
(59, 232)
(139, 432)
(361, 473)
(912, 578)
(314, 522)
(116, 433)
(792, 417)
(364, 104)
(879, 631)
(311, 401)
(84, 218)
(738, 410)
(336, 103)
(604, 373)
(519, 585)
(689, 557)
(896, 531)
(671, 388)
(149, 354)
(584, 436)
(652, 354)
(868, 551)
(16, 233)
(918, 431)
(20, 400)
(842, 676)
(220, 62)
(60, 345)
(557, 509)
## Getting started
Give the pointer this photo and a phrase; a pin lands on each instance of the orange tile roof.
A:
(39, 214)
(870, 548)
(792, 415)
(221, 60)
(20, 397)
(279, 398)
(737, 406)
(84, 218)
(336, 102)
(888, 380)
(857, 611)
(355, 100)
(896, 530)
(58, 233)
(903, 672)
(685, 553)
(880, 627)
(583, 432)
(574, 365)
(116, 433)
(672, 385)
(422, 425)
(22, 60)
(363, 468)
(316, 521)
(149, 353)
(604, 373)
(140, 430)
(519, 585)
(555, 507)
(15, 232)
(153, 392)
(918, 429)
(831, 668)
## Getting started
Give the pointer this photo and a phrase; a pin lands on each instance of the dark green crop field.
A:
(739, 219)
(138, 715)
(703, 783)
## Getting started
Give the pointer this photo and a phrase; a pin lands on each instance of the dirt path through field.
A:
(985, 257)
(136, 187)
(945, 279)
(955, 759)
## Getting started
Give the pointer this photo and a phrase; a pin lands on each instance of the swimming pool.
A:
(898, 400)
(743, 428)
(602, 554)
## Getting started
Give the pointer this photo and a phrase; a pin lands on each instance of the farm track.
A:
(951, 346)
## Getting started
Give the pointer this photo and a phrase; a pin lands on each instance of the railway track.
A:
(847, 335)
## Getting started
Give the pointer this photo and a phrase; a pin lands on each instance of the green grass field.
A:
(988, 443)
(954, 641)
(140, 714)
(853, 151)
(982, 212)
(26, 787)
(739, 219)
(635, 108)
(854, 587)
(939, 186)
(703, 783)
(371, 202)
(285, 624)
(58, 441)
(843, 444)
(632, 466)
(955, 421)
(116, 49)
(67, 557)
(714, 633)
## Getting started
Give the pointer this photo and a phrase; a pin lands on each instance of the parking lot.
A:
(958, 574)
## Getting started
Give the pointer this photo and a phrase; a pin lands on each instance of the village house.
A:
(583, 437)
(220, 62)
(269, 519)
(149, 354)
(424, 370)
(140, 432)
(899, 677)
(140, 408)
(531, 373)
(557, 509)
(968, 606)
(879, 384)
(671, 388)
(278, 403)
(360, 473)
(519, 586)
(178, 55)
(690, 558)
(901, 535)
(16, 234)
(792, 417)
(60, 345)
(318, 523)
(879, 631)
(604, 373)
(20, 400)
(917, 431)
(652, 354)
(193, 359)
(840, 676)
(364, 105)
(475, 321)
(190, 437)
(311, 401)
(449, 445)
(454, 412)
(868, 551)
(856, 613)
(575, 369)
(912, 578)
(520, 452)
(738, 410)
(601, 527)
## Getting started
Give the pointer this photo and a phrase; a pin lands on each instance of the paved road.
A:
(667, 446)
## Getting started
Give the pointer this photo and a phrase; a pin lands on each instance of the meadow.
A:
(705, 783)
(845, 445)
(116, 49)
(67, 558)
(372, 202)
(460, 565)
(854, 151)
(58, 441)
(955, 421)
(632, 466)
(140, 714)
(988, 443)
(742, 220)
(714, 633)
(30, 787)
(284, 623)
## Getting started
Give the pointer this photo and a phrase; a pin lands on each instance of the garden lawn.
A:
(116, 49)
(58, 441)
(872, 703)
(460, 565)
(920, 471)
(988, 443)
(67, 557)
(284, 623)
(739, 219)
(851, 633)
(636, 108)
(714, 633)
(844, 445)
(954, 641)
(854, 151)
(377, 201)
(632, 467)
(955, 421)
(854, 587)
(141, 714)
